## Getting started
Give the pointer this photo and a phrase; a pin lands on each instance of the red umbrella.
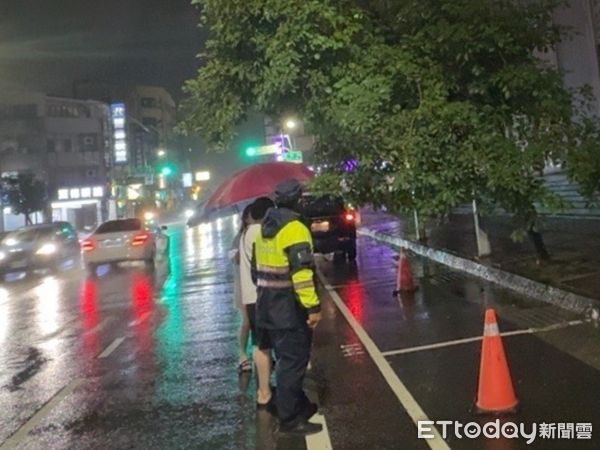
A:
(256, 181)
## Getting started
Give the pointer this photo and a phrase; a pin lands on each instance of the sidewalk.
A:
(574, 245)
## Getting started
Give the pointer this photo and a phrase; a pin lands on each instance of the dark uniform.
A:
(284, 271)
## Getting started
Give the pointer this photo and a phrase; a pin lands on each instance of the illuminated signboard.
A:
(203, 175)
(187, 180)
(119, 113)
(80, 193)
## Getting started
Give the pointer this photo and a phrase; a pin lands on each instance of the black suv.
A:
(332, 224)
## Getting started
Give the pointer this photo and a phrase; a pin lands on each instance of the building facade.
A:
(577, 55)
(66, 143)
(149, 120)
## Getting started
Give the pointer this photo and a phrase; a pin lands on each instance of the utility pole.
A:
(483, 242)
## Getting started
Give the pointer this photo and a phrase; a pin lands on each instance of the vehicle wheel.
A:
(339, 257)
(351, 251)
(91, 268)
(150, 261)
(75, 264)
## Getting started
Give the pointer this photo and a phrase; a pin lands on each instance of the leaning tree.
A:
(441, 102)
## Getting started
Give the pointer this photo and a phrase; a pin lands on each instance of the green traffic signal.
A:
(251, 151)
(167, 169)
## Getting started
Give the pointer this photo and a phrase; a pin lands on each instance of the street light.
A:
(290, 124)
(161, 153)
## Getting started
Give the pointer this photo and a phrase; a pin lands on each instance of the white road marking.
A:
(57, 332)
(437, 345)
(40, 415)
(411, 406)
(100, 326)
(352, 349)
(111, 348)
(355, 345)
(321, 440)
(140, 319)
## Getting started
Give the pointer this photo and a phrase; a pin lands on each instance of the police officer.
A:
(287, 308)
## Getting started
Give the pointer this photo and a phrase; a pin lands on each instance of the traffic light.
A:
(167, 169)
(251, 151)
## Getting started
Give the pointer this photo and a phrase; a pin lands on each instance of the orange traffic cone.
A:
(495, 394)
(404, 280)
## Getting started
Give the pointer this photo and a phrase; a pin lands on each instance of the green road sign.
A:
(293, 156)
(263, 150)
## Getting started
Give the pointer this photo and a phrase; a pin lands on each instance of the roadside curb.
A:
(568, 300)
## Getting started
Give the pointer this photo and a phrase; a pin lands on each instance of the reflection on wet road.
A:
(139, 358)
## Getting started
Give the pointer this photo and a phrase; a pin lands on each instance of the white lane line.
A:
(411, 406)
(57, 332)
(40, 415)
(100, 326)
(111, 348)
(140, 319)
(437, 345)
(321, 440)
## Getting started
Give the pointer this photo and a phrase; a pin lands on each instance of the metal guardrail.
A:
(549, 294)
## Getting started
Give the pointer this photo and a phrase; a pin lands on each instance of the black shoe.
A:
(301, 428)
(310, 410)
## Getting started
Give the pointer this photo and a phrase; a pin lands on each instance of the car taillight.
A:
(88, 245)
(140, 239)
(349, 216)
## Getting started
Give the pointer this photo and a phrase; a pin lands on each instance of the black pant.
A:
(292, 348)
(260, 336)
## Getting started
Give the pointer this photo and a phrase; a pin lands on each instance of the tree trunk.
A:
(28, 219)
(530, 221)
(537, 240)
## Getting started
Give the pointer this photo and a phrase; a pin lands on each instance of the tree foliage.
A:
(439, 101)
(25, 195)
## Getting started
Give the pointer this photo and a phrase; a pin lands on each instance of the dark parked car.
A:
(332, 224)
(47, 246)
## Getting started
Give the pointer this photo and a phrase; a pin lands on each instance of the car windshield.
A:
(114, 226)
(325, 205)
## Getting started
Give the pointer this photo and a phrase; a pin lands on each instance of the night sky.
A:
(47, 44)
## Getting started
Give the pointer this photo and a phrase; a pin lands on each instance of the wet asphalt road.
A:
(146, 360)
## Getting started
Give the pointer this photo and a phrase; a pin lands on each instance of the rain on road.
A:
(140, 359)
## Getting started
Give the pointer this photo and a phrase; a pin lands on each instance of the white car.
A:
(124, 240)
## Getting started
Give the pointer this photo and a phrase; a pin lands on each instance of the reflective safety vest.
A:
(284, 276)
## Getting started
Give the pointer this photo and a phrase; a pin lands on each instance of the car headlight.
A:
(148, 216)
(47, 249)
(189, 213)
(11, 242)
